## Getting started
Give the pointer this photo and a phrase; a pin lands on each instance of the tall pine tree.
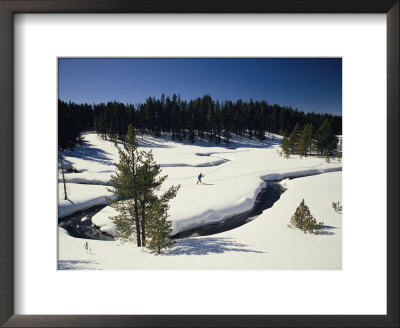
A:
(127, 186)
(136, 185)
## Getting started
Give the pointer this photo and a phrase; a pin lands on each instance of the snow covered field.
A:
(233, 177)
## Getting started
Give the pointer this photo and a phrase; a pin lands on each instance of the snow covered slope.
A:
(233, 177)
(264, 243)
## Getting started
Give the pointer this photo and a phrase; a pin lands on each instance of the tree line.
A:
(305, 141)
(73, 119)
(197, 119)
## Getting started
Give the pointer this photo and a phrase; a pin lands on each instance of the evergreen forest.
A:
(197, 119)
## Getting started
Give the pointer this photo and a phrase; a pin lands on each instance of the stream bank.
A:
(80, 225)
(264, 200)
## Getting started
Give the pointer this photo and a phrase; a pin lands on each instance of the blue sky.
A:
(309, 84)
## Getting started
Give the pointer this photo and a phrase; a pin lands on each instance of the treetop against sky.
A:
(309, 84)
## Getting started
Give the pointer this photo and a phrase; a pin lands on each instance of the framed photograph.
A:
(217, 163)
(215, 91)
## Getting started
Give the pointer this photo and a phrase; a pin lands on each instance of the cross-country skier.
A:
(199, 177)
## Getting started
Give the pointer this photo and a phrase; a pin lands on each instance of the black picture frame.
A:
(7, 10)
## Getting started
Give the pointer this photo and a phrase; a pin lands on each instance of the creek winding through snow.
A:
(80, 224)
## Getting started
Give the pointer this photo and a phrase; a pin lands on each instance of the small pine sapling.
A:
(303, 219)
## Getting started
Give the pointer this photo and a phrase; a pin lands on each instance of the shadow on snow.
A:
(90, 153)
(155, 143)
(76, 265)
(325, 230)
(207, 246)
(236, 142)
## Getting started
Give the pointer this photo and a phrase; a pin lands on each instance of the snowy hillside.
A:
(234, 176)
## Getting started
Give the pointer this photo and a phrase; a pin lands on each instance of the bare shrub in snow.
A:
(337, 207)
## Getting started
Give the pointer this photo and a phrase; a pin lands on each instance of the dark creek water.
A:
(265, 199)
(80, 224)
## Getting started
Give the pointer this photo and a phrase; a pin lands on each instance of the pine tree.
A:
(227, 137)
(339, 150)
(136, 185)
(312, 226)
(326, 138)
(218, 122)
(226, 114)
(151, 182)
(327, 158)
(192, 136)
(285, 147)
(305, 140)
(302, 148)
(127, 186)
(157, 226)
(190, 122)
(303, 219)
(125, 220)
(294, 139)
